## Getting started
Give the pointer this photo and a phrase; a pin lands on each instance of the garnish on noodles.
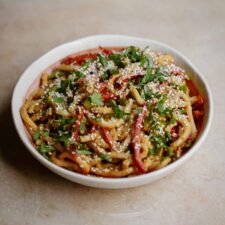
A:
(114, 112)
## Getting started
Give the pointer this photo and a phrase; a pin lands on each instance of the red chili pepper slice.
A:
(105, 92)
(69, 60)
(197, 114)
(199, 102)
(174, 133)
(136, 146)
(108, 138)
(106, 50)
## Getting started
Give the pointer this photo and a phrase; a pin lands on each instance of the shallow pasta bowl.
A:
(28, 81)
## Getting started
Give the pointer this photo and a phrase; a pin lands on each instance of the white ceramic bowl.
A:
(35, 69)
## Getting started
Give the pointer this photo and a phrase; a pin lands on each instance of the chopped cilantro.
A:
(45, 148)
(160, 108)
(182, 111)
(128, 150)
(36, 135)
(57, 99)
(83, 125)
(75, 76)
(45, 133)
(96, 99)
(87, 103)
(86, 64)
(117, 59)
(170, 151)
(63, 121)
(108, 73)
(146, 61)
(149, 106)
(148, 93)
(102, 60)
(63, 86)
(98, 118)
(151, 151)
(113, 71)
(183, 88)
(133, 53)
(139, 110)
(168, 136)
(117, 111)
(64, 138)
(148, 77)
(105, 76)
(172, 121)
(83, 152)
(160, 142)
(105, 157)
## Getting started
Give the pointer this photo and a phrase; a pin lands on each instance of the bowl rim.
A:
(102, 180)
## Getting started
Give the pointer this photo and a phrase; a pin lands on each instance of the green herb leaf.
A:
(63, 86)
(75, 76)
(96, 99)
(105, 76)
(105, 157)
(146, 61)
(113, 71)
(128, 150)
(170, 151)
(102, 60)
(45, 133)
(83, 152)
(160, 108)
(45, 148)
(133, 54)
(83, 125)
(64, 138)
(87, 103)
(168, 136)
(117, 111)
(139, 110)
(161, 78)
(172, 121)
(57, 99)
(62, 121)
(148, 77)
(36, 135)
(86, 64)
(117, 59)
(98, 118)
(151, 151)
(183, 88)
(182, 111)
(149, 106)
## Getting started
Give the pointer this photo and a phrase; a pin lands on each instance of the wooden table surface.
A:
(31, 194)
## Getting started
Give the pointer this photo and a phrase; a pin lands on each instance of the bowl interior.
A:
(30, 79)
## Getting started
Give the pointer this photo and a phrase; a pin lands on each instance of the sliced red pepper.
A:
(69, 60)
(199, 102)
(174, 133)
(108, 138)
(197, 114)
(77, 125)
(105, 92)
(106, 51)
(136, 146)
(177, 73)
